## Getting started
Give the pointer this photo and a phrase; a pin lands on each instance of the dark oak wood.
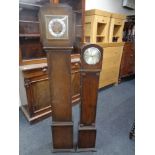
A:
(29, 35)
(37, 91)
(89, 93)
(62, 135)
(58, 48)
(89, 87)
(127, 67)
(60, 84)
(86, 137)
(38, 79)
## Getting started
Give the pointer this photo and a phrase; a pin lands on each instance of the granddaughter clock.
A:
(91, 65)
(57, 37)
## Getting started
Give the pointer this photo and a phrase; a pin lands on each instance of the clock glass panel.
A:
(92, 55)
(56, 26)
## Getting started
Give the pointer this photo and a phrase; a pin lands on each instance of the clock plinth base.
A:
(62, 135)
(86, 150)
(86, 138)
(63, 150)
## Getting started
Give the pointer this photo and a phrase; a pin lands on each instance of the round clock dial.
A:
(57, 27)
(92, 55)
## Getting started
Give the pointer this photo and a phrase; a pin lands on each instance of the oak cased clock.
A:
(57, 37)
(91, 64)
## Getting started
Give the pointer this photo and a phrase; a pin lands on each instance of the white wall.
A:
(114, 6)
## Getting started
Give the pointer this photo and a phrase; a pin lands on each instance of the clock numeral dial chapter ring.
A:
(92, 56)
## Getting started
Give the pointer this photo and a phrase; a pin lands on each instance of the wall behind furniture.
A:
(114, 6)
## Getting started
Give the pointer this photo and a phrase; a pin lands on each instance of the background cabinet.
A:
(35, 83)
(128, 58)
(116, 27)
(97, 26)
(110, 64)
(106, 29)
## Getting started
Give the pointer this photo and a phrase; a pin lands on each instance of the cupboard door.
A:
(111, 65)
(128, 60)
(41, 94)
(38, 95)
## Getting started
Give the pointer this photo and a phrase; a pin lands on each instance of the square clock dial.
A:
(56, 26)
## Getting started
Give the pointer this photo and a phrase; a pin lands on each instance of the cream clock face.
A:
(92, 56)
(56, 26)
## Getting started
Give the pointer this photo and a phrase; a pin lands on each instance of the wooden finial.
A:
(54, 1)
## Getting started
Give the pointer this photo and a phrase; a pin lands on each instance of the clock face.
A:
(56, 26)
(92, 55)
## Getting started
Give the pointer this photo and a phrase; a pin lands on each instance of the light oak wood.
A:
(97, 12)
(116, 27)
(97, 26)
(111, 64)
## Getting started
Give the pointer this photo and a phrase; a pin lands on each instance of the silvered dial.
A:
(92, 56)
(57, 27)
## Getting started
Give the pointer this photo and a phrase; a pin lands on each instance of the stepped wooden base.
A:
(63, 150)
(62, 135)
(86, 150)
(86, 138)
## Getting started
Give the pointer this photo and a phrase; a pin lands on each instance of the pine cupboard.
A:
(106, 29)
(110, 64)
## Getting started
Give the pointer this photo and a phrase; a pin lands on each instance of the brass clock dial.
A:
(56, 26)
(92, 55)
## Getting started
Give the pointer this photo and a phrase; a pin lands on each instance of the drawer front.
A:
(118, 22)
(102, 19)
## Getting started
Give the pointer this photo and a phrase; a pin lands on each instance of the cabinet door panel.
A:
(41, 94)
(128, 60)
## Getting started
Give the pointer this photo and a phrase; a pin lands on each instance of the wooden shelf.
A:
(100, 35)
(79, 25)
(27, 21)
(29, 35)
(77, 11)
(29, 6)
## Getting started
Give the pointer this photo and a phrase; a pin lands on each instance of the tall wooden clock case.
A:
(57, 36)
(91, 64)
